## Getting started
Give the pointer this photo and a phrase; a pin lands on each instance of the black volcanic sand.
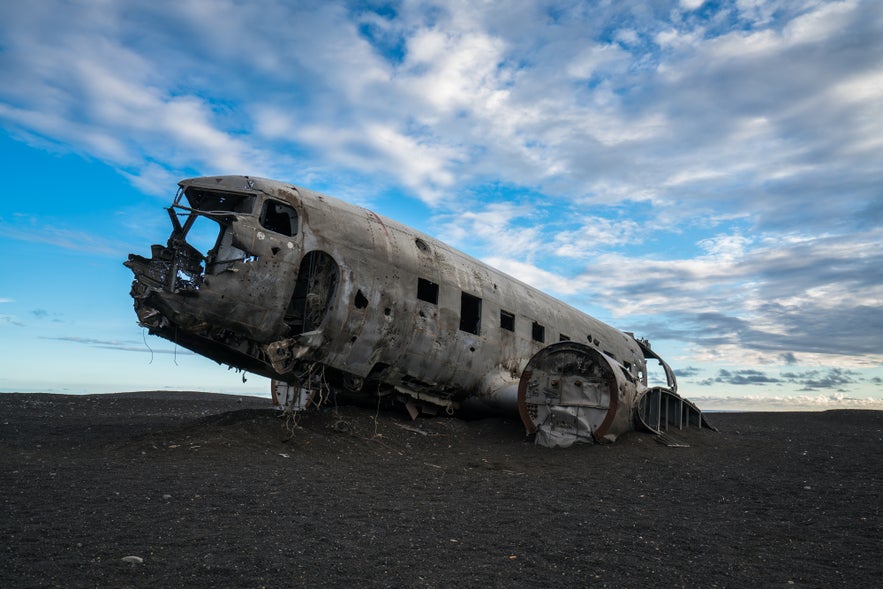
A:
(211, 490)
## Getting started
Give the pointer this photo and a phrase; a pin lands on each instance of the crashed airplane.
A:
(320, 295)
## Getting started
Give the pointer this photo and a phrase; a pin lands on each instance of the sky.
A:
(708, 175)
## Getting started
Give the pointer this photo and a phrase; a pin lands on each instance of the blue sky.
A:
(705, 174)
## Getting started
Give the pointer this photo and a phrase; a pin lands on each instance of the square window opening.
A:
(507, 320)
(279, 217)
(538, 332)
(427, 291)
(470, 313)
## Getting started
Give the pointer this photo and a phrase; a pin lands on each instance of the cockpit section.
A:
(204, 241)
(223, 283)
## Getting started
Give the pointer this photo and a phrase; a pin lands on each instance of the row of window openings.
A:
(282, 218)
(470, 313)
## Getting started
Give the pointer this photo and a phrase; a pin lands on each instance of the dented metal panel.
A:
(296, 283)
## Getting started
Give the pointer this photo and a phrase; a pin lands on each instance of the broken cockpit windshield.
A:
(205, 227)
(211, 201)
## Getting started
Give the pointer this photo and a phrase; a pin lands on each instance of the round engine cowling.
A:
(571, 392)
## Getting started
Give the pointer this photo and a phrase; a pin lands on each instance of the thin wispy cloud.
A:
(11, 320)
(62, 237)
(122, 346)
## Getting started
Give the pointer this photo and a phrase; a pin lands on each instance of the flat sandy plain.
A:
(213, 490)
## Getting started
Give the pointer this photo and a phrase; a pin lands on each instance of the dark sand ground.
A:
(210, 490)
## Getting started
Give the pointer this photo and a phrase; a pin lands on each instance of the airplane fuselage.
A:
(290, 282)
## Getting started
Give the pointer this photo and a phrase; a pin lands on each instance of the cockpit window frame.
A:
(217, 201)
(284, 220)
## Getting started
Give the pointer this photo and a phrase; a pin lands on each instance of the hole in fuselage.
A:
(360, 301)
(313, 292)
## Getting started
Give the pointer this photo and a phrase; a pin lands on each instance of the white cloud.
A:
(785, 403)
(534, 276)
(597, 58)
(153, 179)
(725, 248)
(819, 25)
(497, 226)
(691, 4)
(687, 176)
(596, 234)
